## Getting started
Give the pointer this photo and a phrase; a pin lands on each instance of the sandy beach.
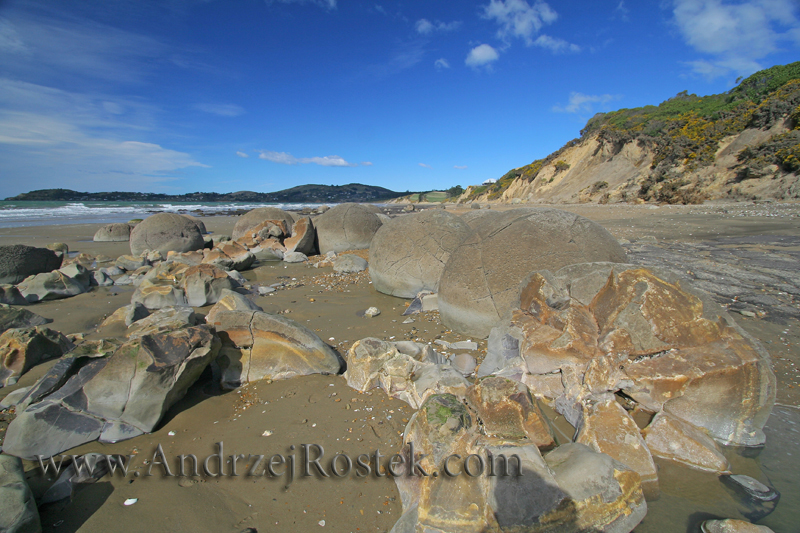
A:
(269, 417)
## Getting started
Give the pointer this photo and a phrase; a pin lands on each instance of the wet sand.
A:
(323, 410)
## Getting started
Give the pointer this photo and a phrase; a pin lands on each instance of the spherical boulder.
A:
(256, 216)
(408, 253)
(480, 283)
(18, 261)
(197, 222)
(113, 233)
(346, 227)
(166, 232)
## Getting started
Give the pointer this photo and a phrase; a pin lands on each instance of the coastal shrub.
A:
(599, 186)
(561, 166)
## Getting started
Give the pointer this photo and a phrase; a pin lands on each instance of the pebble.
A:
(372, 312)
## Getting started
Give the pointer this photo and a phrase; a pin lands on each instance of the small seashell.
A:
(131, 501)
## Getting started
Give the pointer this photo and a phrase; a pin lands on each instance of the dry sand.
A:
(323, 410)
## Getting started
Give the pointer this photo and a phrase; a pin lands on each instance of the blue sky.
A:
(225, 95)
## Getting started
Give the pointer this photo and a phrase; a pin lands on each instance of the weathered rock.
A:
(192, 258)
(755, 500)
(346, 227)
(258, 216)
(11, 317)
(113, 233)
(162, 321)
(408, 254)
(112, 271)
(230, 256)
(464, 363)
(375, 363)
(231, 301)
(303, 237)
(49, 286)
(671, 438)
(58, 247)
(18, 261)
(372, 312)
(18, 513)
(101, 279)
(730, 525)
(295, 257)
(257, 345)
(79, 273)
(476, 218)
(126, 315)
(22, 349)
(130, 263)
(203, 284)
(158, 295)
(480, 283)
(166, 232)
(349, 263)
(170, 272)
(114, 398)
(201, 227)
(10, 295)
(607, 428)
(508, 411)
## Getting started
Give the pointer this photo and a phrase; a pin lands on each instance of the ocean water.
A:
(17, 214)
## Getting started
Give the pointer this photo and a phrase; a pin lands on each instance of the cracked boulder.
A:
(166, 232)
(245, 225)
(203, 284)
(22, 349)
(257, 345)
(409, 253)
(113, 398)
(158, 295)
(164, 320)
(408, 375)
(11, 317)
(349, 263)
(230, 255)
(302, 238)
(10, 295)
(18, 512)
(480, 283)
(231, 301)
(671, 438)
(50, 286)
(18, 261)
(346, 227)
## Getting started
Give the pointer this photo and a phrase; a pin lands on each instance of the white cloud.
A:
(556, 45)
(482, 55)
(579, 102)
(327, 4)
(460, 167)
(426, 27)
(441, 63)
(622, 10)
(223, 110)
(423, 165)
(519, 19)
(366, 163)
(242, 154)
(737, 35)
(288, 159)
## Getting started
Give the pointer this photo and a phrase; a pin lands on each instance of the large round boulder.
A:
(253, 218)
(197, 222)
(408, 253)
(166, 232)
(480, 284)
(346, 227)
(18, 261)
(113, 233)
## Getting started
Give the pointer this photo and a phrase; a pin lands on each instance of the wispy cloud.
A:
(288, 159)
(460, 167)
(423, 165)
(223, 110)
(579, 102)
(622, 11)
(556, 45)
(482, 55)
(366, 163)
(441, 63)
(426, 27)
(326, 4)
(242, 154)
(735, 36)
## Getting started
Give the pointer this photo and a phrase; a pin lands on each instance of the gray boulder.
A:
(130, 263)
(18, 261)
(22, 349)
(201, 227)
(257, 216)
(18, 513)
(481, 281)
(158, 295)
(114, 398)
(258, 345)
(113, 233)
(79, 273)
(166, 232)
(10, 295)
(231, 301)
(203, 284)
(408, 254)
(50, 286)
(295, 257)
(11, 317)
(349, 263)
(346, 227)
